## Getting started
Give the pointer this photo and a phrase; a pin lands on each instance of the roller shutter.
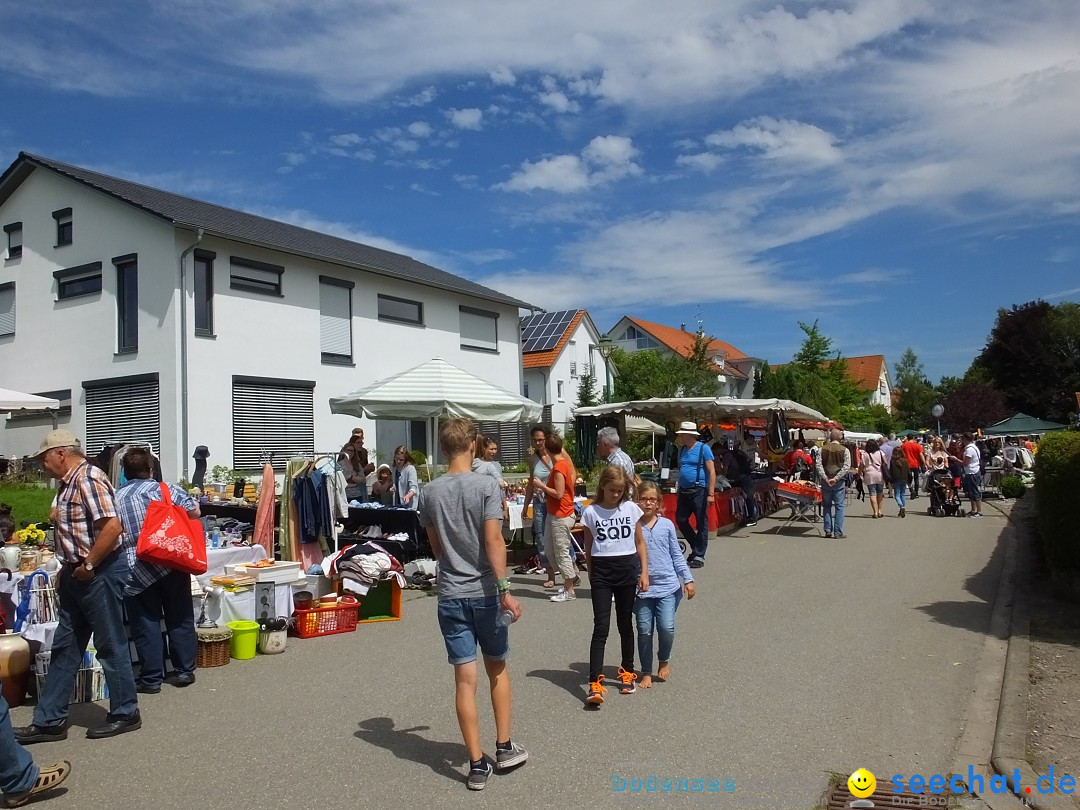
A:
(122, 412)
(275, 416)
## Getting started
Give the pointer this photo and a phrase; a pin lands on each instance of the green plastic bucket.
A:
(245, 637)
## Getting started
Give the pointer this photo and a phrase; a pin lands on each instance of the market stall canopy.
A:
(17, 401)
(639, 424)
(713, 407)
(1020, 424)
(436, 390)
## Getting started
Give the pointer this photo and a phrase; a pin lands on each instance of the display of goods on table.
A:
(802, 491)
(270, 571)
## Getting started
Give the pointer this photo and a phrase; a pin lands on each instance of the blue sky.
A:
(898, 169)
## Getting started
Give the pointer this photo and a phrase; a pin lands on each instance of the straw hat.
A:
(687, 428)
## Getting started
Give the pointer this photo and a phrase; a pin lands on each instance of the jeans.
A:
(613, 576)
(18, 773)
(747, 486)
(900, 491)
(832, 502)
(470, 622)
(169, 597)
(658, 612)
(95, 607)
(693, 502)
(539, 521)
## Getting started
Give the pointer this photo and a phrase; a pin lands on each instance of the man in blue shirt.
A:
(697, 481)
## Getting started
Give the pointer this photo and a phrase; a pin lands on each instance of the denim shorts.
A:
(973, 486)
(466, 623)
(875, 489)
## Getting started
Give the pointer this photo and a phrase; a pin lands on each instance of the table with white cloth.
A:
(239, 606)
(514, 524)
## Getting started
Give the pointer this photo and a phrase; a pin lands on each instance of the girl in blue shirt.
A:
(669, 578)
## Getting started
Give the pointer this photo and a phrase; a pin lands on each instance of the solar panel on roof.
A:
(541, 333)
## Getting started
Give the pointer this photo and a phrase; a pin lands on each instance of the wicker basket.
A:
(213, 649)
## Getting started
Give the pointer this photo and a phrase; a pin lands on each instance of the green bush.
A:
(1012, 486)
(1057, 471)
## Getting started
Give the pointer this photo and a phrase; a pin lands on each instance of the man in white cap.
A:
(697, 481)
(93, 574)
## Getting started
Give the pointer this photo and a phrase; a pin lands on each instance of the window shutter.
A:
(278, 417)
(128, 412)
(7, 309)
(335, 320)
(479, 330)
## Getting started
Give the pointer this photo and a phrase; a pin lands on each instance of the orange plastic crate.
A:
(326, 621)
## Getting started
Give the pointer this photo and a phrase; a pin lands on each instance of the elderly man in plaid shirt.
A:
(154, 591)
(91, 584)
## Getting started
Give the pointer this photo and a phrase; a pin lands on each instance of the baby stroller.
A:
(944, 495)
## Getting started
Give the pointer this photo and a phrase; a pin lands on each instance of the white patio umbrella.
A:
(17, 401)
(436, 390)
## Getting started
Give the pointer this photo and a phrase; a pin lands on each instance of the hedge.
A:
(1057, 477)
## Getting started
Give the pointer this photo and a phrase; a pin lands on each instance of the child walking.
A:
(618, 567)
(669, 578)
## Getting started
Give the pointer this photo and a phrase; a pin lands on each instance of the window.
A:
(257, 277)
(401, 310)
(14, 239)
(122, 409)
(335, 320)
(637, 339)
(573, 363)
(479, 329)
(271, 415)
(64, 231)
(127, 303)
(558, 388)
(76, 281)
(204, 293)
(525, 390)
(7, 309)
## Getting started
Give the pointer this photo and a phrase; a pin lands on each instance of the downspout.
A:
(184, 351)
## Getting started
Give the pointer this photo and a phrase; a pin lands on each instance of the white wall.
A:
(60, 344)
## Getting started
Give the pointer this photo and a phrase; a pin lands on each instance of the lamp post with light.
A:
(606, 347)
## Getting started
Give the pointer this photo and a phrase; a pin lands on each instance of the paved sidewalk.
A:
(800, 656)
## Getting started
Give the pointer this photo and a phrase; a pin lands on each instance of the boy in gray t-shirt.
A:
(462, 512)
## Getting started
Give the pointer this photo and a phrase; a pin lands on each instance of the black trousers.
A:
(618, 577)
(913, 479)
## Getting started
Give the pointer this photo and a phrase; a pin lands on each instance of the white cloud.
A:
(782, 140)
(468, 118)
(406, 145)
(420, 129)
(503, 76)
(873, 275)
(703, 161)
(488, 255)
(294, 158)
(559, 102)
(606, 158)
(421, 189)
(421, 99)
(345, 139)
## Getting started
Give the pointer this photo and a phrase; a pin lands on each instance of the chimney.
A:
(682, 327)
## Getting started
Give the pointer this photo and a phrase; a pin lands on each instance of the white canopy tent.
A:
(436, 390)
(712, 407)
(18, 402)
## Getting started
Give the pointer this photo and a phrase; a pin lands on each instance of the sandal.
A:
(49, 777)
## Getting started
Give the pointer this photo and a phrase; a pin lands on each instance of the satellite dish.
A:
(937, 411)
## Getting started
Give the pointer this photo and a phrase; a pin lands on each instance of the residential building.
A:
(162, 319)
(871, 373)
(735, 367)
(557, 349)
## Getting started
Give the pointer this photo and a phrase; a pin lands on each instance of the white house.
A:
(736, 368)
(557, 348)
(162, 319)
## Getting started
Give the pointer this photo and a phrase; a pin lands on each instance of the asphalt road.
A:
(800, 656)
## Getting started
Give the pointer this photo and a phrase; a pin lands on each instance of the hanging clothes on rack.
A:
(288, 521)
(264, 514)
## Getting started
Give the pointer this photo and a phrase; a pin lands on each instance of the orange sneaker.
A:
(596, 692)
(628, 686)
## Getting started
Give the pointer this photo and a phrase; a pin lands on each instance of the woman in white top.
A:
(406, 482)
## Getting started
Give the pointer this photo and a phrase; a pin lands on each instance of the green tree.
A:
(1033, 357)
(646, 374)
(698, 372)
(815, 350)
(588, 389)
(917, 395)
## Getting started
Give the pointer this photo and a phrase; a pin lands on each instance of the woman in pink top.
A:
(872, 469)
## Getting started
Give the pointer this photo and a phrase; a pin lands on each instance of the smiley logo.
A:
(862, 783)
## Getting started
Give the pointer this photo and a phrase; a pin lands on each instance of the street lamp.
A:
(606, 347)
(937, 411)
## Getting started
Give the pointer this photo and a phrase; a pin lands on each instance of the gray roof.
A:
(215, 219)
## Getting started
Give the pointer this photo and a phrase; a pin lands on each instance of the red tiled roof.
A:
(865, 370)
(681, 341)
(548, 358)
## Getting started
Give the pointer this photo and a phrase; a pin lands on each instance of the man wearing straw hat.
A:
(90, 585)
(697, 481)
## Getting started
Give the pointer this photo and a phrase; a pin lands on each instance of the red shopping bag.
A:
(170, 538)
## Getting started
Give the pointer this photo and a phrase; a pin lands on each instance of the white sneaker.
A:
(563, 596)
